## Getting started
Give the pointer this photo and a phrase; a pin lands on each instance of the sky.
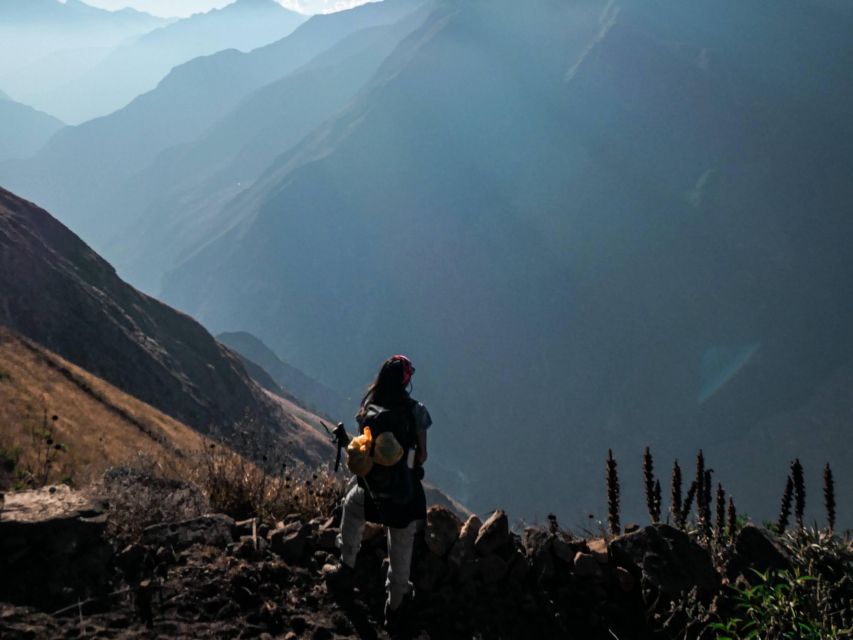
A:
(183, 8)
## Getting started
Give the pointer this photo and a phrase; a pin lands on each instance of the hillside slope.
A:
(61, 294)
(98, 425)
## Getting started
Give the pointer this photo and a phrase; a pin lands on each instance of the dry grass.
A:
(239, 488)
(97, 426)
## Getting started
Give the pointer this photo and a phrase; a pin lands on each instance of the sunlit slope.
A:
(558, 210)
(98, 425)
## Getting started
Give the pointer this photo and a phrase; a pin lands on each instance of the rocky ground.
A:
(212, 577)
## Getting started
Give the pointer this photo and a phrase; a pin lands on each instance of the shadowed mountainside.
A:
(174, 206)
(61, 294)
(654, 251)
(310, 392)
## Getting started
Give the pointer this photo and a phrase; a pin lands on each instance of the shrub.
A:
(241, 489)
(139, 496)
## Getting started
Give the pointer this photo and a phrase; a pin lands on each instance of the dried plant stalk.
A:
(652, 505)
(829, 496)
(612, 494)
(785, 510)
(799, 492)
(703, 504)
(721, 512)
(675, 497)
(688, 501)
(732, 519)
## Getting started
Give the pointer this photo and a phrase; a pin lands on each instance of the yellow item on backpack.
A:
(387, 451)
(359, 460)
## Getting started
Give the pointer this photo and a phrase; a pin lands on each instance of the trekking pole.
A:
(340, 437)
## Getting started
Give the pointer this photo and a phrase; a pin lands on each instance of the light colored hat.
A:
(387, 450)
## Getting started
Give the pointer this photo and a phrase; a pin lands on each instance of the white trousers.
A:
(400, 542)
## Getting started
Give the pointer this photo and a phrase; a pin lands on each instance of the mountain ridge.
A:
(65, 297)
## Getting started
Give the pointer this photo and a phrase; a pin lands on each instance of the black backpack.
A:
(393, 483)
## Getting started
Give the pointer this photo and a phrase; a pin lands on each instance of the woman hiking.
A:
(389, 494)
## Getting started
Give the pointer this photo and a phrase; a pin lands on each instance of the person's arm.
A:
(422, 446)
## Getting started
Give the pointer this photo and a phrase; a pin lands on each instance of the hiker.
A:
(389, 495)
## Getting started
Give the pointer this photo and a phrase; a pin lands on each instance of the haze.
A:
(593, 225)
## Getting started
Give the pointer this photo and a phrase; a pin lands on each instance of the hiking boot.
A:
(395, 619)
(339, 578)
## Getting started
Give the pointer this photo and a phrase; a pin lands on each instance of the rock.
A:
(326, 539)
(442, 530)
(586, 566)
(624, 579)
(493, 535)
(519, 568)
(668, 560)
(214, 530)
(491, 569)
(429, 573)
(564, 549)
(759, 550)
(598, 548)
(131, 560)
(52, 549)
(538, 545)
(291, 543)
(463, 549)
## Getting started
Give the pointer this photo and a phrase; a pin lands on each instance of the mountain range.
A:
(194, 96)
(33, 29)
(608, 211)
(136, 66)
(23, 130)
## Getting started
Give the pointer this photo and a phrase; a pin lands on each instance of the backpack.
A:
(394, 483)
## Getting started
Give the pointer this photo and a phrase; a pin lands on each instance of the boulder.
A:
(756, 549)
(52, 549)
(291, 542)
(442, 530)
(493, 535)
(215, 530)
(429, 573)
(586, 566)
(492, 569)
(463, 549)
(668, 560)
(326, 539)
(538, 545)
(598, 548)
(624, 579)
(566, 550)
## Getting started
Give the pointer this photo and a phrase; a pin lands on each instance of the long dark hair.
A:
(388, 388)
